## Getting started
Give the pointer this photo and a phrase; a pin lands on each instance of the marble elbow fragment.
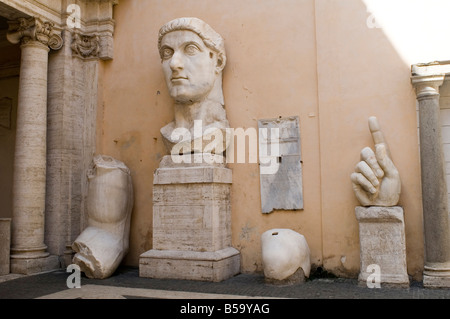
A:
(101, 247)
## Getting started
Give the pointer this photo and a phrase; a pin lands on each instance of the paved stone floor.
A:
(126, 284)
(243, 296)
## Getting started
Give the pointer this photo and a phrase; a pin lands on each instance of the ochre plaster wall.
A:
(314, 59)
(360, 75)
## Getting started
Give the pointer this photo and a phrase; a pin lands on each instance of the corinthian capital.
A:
(24, 30)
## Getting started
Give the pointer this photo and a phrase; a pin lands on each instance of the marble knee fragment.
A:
(101, 247)
(285, 253)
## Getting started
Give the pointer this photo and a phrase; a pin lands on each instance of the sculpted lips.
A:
(178, 78)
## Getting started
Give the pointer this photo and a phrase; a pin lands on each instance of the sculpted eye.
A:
(166, 53)
(191, 49)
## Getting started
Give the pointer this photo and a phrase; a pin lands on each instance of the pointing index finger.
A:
(377, 135)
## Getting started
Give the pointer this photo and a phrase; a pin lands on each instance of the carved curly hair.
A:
(211, 38)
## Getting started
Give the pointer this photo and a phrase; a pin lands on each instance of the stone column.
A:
(434, 187)
(28, 251)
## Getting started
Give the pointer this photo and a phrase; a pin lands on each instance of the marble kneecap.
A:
(101, 247)
(285, 253)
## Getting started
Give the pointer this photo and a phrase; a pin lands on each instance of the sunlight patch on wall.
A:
(418, 29)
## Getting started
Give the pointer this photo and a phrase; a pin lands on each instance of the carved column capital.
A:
(85, 46)
(427, 85)
(24, 30)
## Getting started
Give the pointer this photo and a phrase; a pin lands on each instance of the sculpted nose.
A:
(176, 63)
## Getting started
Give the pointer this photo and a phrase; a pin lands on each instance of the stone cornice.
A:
(94, 37)
(432, 68)
(95, 21)
(428, 77)
(49, 11)
(24, 30)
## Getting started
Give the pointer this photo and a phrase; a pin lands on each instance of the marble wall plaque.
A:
(280, 164)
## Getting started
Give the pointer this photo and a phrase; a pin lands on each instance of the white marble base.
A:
(189, 265)
(382, 243)
(191, 223)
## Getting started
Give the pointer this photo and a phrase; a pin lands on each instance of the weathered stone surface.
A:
(297, 277)
(284, 252)
(85, 46)
(382, 243)
(5, 243)
(437, 276)
(190, 265)
(28, 251)
(193, 175)
(191, 224)
(281, 179)
(103, 244)
(28, 266)
(192, 160)
(191, 209)
(71, 131)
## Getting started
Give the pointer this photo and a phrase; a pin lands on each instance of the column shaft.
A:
(434, 185)
(28, 251)
(30, 154)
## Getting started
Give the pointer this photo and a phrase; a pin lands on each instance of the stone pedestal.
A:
(5, 243)
(191, 223)
(382, 243)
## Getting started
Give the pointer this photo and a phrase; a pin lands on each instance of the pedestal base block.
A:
(191, 221)
(436, 282)
(436, 275)
(190, 265)
(35, 265)
(382, 244)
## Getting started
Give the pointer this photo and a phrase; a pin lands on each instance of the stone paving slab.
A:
(111, 292)
(241, 286)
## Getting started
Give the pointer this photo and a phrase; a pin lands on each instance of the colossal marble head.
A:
(193, 57)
